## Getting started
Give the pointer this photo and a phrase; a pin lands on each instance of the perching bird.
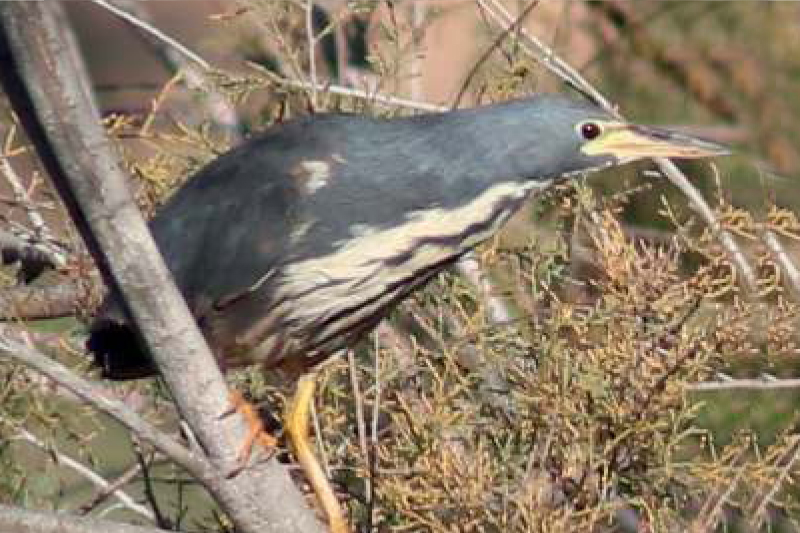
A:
(292, 246)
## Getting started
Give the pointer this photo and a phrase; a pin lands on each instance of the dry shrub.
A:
(576, 416)
(591, 419)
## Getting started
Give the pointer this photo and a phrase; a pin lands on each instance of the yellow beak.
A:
(628, 142)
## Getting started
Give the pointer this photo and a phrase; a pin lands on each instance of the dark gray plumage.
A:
(297, 242)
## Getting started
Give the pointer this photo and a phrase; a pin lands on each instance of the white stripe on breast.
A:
(357, 271)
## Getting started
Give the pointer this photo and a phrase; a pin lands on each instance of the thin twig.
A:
(361, 426)
(95, 479)
(95, 397)
(191, 74)
(545, 55)
(23, 199)
(44, 239)
(679, 179)
(757, 518)
(745, 384)
(373, 448)
(418, 12)
(783, 259)
(490, 50)
(149, 493)
(709, 515)
(375, 98)
(312, 52)
(152, 30)
(111, 489)
(323, 451)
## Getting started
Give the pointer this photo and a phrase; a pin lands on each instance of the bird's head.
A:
(575, 137)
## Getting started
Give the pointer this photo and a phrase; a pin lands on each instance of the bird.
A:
(292, 246)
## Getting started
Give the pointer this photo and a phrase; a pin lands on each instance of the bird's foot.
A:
(296, 423)
(256, 434)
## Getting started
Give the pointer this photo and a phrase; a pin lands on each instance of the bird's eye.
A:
(590, 130)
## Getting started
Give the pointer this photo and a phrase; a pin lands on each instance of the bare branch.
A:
(94, 396)
(23, 199)
(127, 501)
(783, 259)
(376, 98)
(312, 52)
(152, 30)
(746, 384)
(18, 519)
(111, 488)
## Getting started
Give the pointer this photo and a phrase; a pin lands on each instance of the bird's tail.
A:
(118, 351)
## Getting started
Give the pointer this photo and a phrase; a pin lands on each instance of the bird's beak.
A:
(628, 142)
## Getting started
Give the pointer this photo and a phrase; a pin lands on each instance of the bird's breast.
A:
(326, 297)
(318, 305)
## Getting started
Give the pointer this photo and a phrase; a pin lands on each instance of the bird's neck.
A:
(473, 150)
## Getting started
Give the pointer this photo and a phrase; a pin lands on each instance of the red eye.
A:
(590, 130)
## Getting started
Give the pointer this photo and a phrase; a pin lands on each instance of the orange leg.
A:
(256, 431)
(296, 423)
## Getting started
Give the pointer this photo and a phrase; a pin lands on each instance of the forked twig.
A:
(112, 488)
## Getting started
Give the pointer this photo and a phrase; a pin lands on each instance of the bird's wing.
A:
(228, 228)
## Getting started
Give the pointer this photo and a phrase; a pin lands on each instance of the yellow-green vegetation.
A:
(591, 419)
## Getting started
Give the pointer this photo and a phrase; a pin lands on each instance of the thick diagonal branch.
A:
(17, 519)
(54, 106)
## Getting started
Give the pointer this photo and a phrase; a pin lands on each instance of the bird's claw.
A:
(256, 434)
